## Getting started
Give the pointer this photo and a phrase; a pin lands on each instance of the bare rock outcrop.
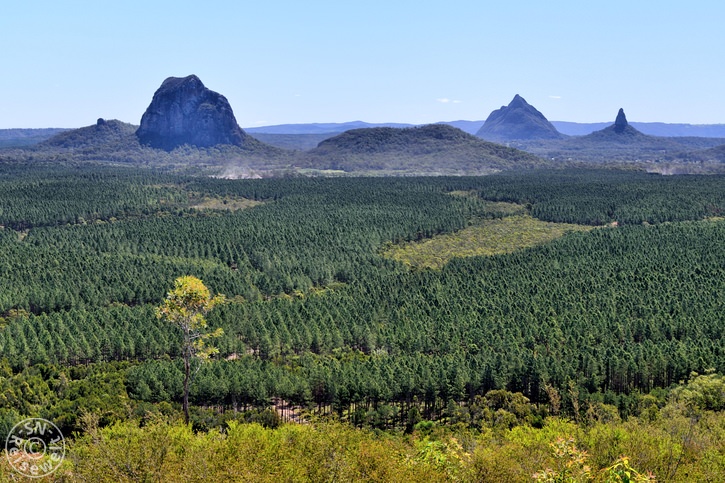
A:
(184, 111)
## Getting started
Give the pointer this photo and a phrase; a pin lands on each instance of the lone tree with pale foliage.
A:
(185, 306)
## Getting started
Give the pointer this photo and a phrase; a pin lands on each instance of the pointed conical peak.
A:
(518, 120)
(518, 101)
(620, 124)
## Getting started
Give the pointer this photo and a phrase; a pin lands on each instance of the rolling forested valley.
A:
(522, 326)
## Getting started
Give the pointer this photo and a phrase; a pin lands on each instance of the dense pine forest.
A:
(599, 327)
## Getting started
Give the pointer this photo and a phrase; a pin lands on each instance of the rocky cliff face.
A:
(620, 123)
(517, 121)
(184, 111)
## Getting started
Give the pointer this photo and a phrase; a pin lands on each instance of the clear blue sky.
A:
(67, 63)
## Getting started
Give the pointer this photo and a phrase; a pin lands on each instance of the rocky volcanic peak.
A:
(518, 120)
(184, 111)
(620, 124)
(519, 102)
(620, 131)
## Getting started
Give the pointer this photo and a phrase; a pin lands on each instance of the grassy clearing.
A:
(490, 237)
(504, 209)
(230, 204)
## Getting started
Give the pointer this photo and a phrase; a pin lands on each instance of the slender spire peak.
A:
(620, 123)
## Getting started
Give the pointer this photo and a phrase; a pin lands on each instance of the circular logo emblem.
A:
(35, 447)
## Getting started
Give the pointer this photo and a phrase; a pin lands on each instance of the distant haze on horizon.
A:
(285, 62)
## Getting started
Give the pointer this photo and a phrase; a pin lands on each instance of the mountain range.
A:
(652, 128)
(308, 136)
(187, 124)
(621, 142)
(472, 127)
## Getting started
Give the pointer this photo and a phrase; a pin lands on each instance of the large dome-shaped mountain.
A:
(433, 148)
(517, 121)
(184, 111)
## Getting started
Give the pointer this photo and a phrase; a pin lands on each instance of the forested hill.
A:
(436, 149)
(433, 148)
(112, 141)
(104, 133)
(631, 147)
(430, 149)
(712, 155)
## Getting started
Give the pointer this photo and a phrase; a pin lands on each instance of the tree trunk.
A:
(187, 375)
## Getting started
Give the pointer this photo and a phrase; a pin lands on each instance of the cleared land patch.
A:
(231, 204)
(489, 237)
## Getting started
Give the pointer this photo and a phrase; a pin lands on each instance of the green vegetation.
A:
(185, 307)
(490, 237)
(465, 373)
(415, 150)
(372, 151)
(232, 204)
(115, 143)
(606, 147)
(601, 197)
(436, 149)
(675, 442)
